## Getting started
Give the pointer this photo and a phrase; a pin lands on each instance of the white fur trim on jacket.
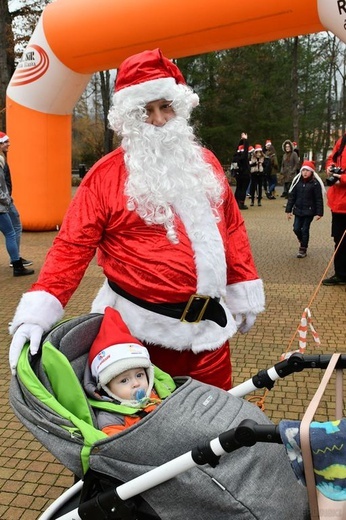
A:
(244, 297)
(38, 308)
(161, 330)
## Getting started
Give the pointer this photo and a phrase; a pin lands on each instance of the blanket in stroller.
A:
(248, 484)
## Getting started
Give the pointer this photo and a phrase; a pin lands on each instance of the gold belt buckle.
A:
(188, 305)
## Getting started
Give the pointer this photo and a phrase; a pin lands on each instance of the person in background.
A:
(12, 212)
(296, 149)
(242, 177)
(336, 200)
(289, 166)
(6, 227)
(257, 174)
(305, 201)
(168, 232)
(271, 168)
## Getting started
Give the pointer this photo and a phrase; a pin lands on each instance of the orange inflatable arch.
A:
(74, 39)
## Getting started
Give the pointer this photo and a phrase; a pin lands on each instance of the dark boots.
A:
(302, 252)
(20, 270)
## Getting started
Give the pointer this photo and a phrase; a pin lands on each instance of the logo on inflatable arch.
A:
(33, 65)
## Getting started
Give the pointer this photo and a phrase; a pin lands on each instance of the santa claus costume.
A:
(168, 232)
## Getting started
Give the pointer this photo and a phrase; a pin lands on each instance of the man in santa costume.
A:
(168, 233)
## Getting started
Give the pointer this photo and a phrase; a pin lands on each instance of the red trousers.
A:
(211, 367)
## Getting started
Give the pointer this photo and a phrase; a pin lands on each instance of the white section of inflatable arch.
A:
(41, 82)
(333, 16)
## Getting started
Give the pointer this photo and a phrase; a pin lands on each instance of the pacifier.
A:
(139, 394)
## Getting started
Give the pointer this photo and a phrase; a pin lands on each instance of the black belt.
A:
(199, 307)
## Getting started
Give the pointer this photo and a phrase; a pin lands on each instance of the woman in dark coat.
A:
(289, 166)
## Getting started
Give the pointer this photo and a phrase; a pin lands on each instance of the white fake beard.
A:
(165, 170)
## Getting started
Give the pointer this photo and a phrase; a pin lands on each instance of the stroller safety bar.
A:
(114, 504)
(295, 363)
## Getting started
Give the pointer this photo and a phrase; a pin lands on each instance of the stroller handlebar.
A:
(295, 363)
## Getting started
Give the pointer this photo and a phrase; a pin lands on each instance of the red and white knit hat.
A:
(308, 165)
(145, 77)
(3, 137)
(115, 350)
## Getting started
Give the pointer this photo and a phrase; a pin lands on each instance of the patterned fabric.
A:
(328, 448)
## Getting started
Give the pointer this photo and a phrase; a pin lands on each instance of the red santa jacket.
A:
(211, 258)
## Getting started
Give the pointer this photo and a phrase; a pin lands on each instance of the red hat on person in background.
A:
(115, 350)
(308, 165)
(258, 148)
(240, 148)
(294, 144)
(268, 142)
(3, 137)
(251, 149)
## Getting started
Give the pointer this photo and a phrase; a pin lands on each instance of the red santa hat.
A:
(149, 76)
(3, 137)
(268, 142)
(294, 144)
(308, 165)
(115, 350)
(240, 148)
(251, 148)
(258, 148)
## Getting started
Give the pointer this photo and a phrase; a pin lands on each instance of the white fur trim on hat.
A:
(153, 90)
(4, 138)
(115, 359)
(38, 308)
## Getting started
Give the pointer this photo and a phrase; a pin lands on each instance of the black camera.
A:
(332, 180)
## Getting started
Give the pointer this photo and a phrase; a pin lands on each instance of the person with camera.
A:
(336, 200)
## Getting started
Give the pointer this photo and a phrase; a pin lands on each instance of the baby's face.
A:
(126, 384)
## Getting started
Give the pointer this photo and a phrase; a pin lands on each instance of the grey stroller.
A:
(204, 453)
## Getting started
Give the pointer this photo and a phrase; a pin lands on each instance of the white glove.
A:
(244, 322)
(24, 333)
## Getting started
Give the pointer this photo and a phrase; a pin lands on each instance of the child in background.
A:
(305, 201)
(120, 378)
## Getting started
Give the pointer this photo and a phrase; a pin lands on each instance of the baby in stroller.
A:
(119, 372)
(51, 396)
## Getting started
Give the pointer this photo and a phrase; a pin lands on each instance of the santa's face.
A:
(165, 166)
(159, 112)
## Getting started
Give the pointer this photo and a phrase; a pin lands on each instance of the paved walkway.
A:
(30, 477)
